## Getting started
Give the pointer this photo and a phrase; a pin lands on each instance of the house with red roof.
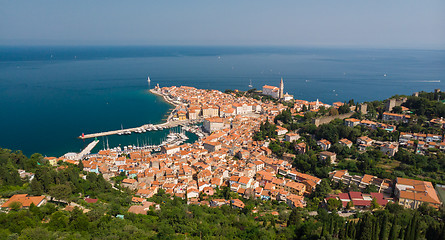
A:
(358, 200)
(25, 201)
(91, 200)
(130, 183)
(412, 193)
(324, 144)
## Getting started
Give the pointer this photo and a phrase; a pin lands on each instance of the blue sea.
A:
(51, 95)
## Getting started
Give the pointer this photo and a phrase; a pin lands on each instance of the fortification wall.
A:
(328, 119)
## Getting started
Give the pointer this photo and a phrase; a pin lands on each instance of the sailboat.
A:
(148, 79)
(122, 130)
(250, 85)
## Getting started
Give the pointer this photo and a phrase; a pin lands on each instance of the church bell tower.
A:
(281, 89)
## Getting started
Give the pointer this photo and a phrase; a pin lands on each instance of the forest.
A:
(177, 220)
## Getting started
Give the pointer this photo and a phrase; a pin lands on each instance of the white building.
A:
(213, 124)
(271, 91)
(288, 97)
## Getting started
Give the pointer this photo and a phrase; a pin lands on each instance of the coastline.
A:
(167, 101)
(163, 123)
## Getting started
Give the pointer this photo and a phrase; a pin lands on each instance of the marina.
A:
(176, 137)
(142, 129)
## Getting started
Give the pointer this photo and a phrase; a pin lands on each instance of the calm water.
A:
(50, 95)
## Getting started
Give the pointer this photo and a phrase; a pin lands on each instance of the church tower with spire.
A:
(281, 96)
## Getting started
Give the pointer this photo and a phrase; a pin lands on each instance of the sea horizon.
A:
(210, 50)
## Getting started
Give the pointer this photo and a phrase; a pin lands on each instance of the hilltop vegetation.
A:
(177, 220)
(427, 104)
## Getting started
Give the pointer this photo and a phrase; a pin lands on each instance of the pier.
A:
(87, 150)
(172, 139)
(145, 127)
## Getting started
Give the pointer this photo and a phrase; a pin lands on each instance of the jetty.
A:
(145, 127)
(87, 150)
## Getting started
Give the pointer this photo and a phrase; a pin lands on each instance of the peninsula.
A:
(279, 163)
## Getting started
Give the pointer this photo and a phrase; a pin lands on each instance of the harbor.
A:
(142, 129)
(176, 136)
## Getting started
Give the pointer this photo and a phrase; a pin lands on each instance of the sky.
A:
(330, 23)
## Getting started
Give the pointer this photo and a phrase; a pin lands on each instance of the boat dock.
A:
(143, 128)
(87, 150)
(172, 139)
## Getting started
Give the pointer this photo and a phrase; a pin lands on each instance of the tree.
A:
(226, 192)
(80, 165)
(333, 204)
(370, 189)
(375, 231)
(344, 109)
(15, 206)
(58, 221)
(412, 229)
(409, 230)
(397, 109)
(35, 210)
(60, 192)
(374, 204)
(38, 233)
(394, 230)
(322, 189)
(36, 187)
(333, 111)
(294, 217)
(384, 228)
(366, 227)
(80, 222)
(285, 116)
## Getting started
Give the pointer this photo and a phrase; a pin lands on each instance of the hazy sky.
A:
(357, 23)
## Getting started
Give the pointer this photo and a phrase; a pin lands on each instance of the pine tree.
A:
(366, 228)
(351, 231)
(294, 217)
(410, 233)
(36, 187)
(393, 231)
(441, 231)
(375, 231)
(408, 230)
(343, 230)
(384, 228)
(323, 230)
(80, 165)
(338, 225)
(331, 226)
(354, 232)
(415, 228)
(401, 233)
